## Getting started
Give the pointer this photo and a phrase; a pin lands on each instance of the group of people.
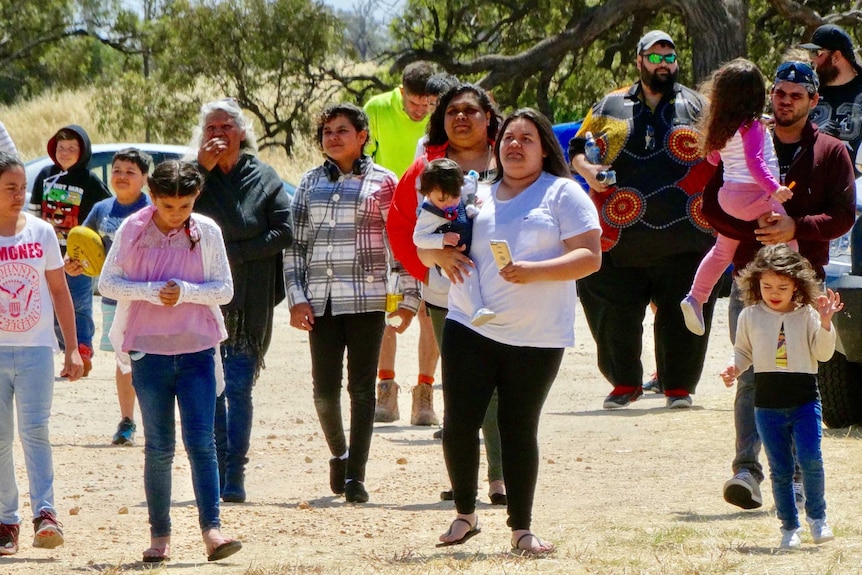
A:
(687, 166)
(192, 276)
(483, 235)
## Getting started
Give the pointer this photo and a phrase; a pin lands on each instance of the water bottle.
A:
(394, 296)
(591, 149)
(594, 156)
(468, 192)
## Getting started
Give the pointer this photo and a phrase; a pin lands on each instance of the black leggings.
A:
(360, 334)
(473, 367)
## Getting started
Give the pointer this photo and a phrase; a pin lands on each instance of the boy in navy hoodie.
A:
(63, 195)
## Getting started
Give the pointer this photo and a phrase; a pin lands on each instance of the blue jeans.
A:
(188, 380)
(81, 288)
(27, 375)
(747, 438)
(233, 414)
(781, 430)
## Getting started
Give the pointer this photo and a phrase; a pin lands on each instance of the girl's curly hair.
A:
(782, 260)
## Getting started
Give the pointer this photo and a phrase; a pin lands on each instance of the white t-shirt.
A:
(534, 223)
(26, 308)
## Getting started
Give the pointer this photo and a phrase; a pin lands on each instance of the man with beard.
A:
(839, 112)
(822, 208)
(653, 233)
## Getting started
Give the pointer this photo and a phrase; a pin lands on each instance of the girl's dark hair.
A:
(444, 174)
(737, 96)
(9, 161)
(782, 260)
(354, 114)
(437, 125)
(554, 162)
(138, 157)
(178, 179)
(175, 178)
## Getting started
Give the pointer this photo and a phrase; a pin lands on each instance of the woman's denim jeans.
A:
(233, 414)
(27, 377)
(188, 380)
(780, 430)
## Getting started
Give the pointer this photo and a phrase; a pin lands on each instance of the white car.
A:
(839, 248)
(100, 161)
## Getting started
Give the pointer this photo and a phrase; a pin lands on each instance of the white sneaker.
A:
(820, 530)
(679, 402)
(482, 316)
(692, 312)
(743, 490)
(790, 539)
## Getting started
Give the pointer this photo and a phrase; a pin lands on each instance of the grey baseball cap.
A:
(650, 38)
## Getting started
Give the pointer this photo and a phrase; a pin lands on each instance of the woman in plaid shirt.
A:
(335, 274)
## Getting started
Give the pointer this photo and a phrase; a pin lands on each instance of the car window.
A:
(100, 163)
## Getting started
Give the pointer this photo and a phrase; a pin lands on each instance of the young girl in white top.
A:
(785, 330)
(168, 271)
(32, 289)
(735, 134)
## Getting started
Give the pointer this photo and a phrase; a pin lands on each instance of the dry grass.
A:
(636, 492)
(33, 122)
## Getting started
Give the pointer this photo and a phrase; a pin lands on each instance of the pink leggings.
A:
(744, 202)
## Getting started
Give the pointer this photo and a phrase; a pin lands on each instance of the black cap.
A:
(832, 37)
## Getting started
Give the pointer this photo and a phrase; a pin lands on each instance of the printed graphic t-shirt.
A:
(26, 308)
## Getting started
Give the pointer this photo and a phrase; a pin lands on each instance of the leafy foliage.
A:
(562, 56)
(268, 54)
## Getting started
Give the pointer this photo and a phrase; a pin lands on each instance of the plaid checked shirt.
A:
(340, 251)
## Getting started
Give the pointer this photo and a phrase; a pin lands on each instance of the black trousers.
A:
(360, 334)
(615, 301)
(473, 367)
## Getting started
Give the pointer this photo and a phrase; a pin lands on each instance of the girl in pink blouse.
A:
(169, 272)
(734, 133)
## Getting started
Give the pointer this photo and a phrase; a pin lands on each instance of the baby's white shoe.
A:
(482, 316)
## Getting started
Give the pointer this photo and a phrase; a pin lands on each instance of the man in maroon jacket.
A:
(822, 208)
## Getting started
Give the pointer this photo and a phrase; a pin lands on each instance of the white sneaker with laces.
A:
(743, 490)
(820, 530)
(790, 539)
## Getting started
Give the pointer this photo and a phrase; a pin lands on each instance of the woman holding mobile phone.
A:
(552, 230)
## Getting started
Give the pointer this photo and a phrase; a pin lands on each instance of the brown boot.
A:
(387, 402)
(423, 406)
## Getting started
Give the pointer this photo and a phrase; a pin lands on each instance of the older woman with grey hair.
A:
(247, 200)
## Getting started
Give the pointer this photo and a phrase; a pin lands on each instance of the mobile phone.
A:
(502, 255)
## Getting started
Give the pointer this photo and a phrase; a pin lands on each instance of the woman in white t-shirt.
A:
(32, 289)
(553, 232)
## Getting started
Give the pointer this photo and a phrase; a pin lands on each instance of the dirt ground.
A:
(632, 491)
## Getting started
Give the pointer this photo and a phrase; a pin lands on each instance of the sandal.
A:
(155, 555)
(474, 530)
(531, 552)
(499, 499)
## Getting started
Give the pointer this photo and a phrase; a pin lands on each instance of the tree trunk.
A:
(718, 31)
